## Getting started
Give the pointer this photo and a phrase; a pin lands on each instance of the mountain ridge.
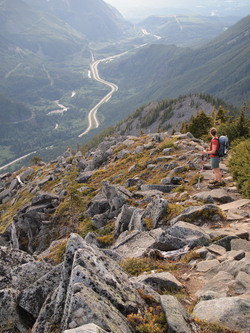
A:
(81, 15)
(143, 202)
(40, 73)
(215, 69)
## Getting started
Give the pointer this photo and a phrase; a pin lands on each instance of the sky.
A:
(144, 8)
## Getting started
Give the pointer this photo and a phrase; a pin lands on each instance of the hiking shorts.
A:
(215, 162)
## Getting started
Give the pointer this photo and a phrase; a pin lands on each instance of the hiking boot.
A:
(216, 185)
(213, 181)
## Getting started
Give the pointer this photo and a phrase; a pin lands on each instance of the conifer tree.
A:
(221, 116)
(199, 124)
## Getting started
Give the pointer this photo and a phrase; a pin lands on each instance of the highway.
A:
(17, 160)
(92, 117)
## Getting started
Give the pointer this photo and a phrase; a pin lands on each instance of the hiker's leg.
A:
(215, 162)
(217, 174)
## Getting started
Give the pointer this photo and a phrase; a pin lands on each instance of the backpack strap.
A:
(218, 147)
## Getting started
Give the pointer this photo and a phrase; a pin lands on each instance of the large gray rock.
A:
(205, 266)
(225, 242)
(19, 269)
(34, 295)
(161, 188)
(89, 328)
(221, 284)
(242, 282)
(10, 321)
(232, 312)
(137, 222)
(178, 319)
(161, 281)
(231, 266)
(24, 275)
(123, 219)
(93, 289)
(33, 222)
(172, 181)
(45, 199)
(156, 210)
(134, 244)
(220, 195)
(116, 195)
(84, 176)
(216, 249)
(82, 164)
(179, 235)
(98, 158)
(199, 215)
(240, 244)
(4, 195)
(26, 174)
(99, 205)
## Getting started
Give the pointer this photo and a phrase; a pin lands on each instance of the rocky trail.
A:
(100, 242)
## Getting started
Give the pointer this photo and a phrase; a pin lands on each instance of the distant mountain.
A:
(96, 19)
(183, 30)
(221, 68)
(40, 32)
(219, 8)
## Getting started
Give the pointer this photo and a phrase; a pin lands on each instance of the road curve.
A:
(92, 118)
(18, 159)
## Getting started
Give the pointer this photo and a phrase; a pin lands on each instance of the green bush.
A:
(239, 165)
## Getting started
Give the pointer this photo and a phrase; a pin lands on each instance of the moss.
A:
(137, 266)
(58, 251)
(206, 214)
(206, 327)
(168, 143)
(174, 210)
(11, 211)
(192, 255)
(107, 230)
(181, 189)
(153, 320)
(106, 240)
(85, 227)
(194, 180)
(149, 223)
(179, 294)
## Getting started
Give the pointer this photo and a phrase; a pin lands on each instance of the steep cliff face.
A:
(109, 239)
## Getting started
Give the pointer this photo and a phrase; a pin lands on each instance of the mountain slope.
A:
(134, 204)
(183, 30)
(38, 31)
(168, 114)
(42, 60)
(97, 20)
(220, 68)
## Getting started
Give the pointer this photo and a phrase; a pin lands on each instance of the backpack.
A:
(223, 146)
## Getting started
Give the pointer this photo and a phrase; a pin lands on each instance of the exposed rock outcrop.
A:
(131, 198)
(93, 289)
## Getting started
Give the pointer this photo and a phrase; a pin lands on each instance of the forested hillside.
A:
(186, 30)
(220, 68)
(95, 19)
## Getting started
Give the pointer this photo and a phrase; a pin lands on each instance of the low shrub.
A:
(239, 165)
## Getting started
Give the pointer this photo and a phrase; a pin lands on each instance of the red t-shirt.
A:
(214, 142)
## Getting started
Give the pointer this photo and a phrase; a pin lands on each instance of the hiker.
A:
(215, 159)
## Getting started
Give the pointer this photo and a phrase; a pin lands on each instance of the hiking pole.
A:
(200, 171)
